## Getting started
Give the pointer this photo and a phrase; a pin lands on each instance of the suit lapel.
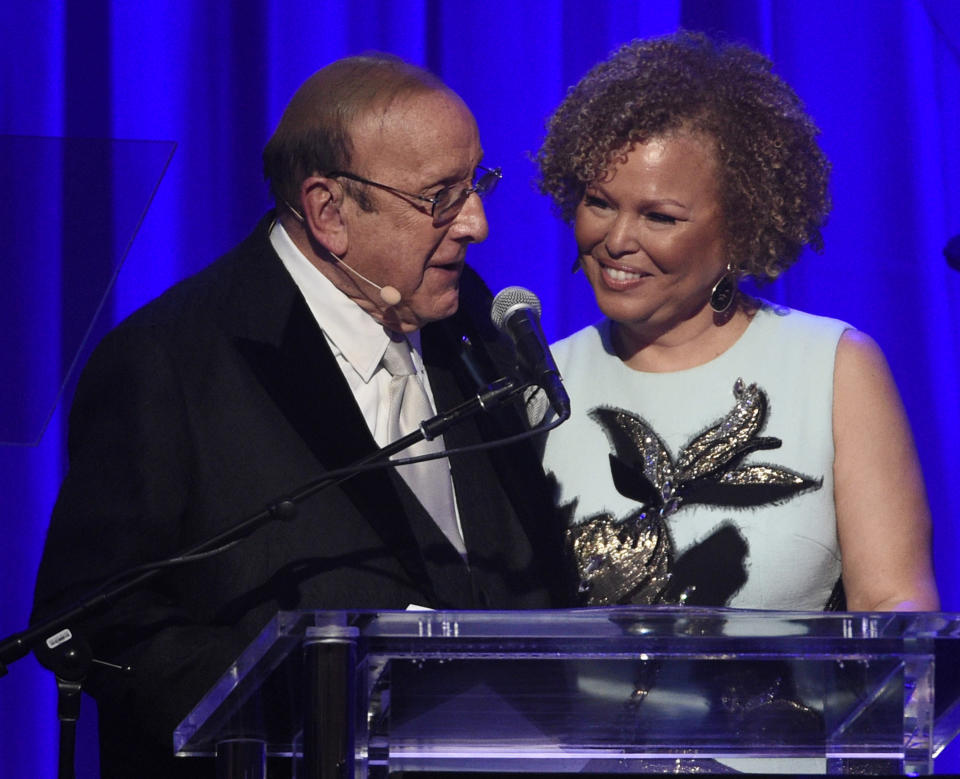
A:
(449, 375)
(288, 353)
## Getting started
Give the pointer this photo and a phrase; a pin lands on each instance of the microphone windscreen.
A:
(508, 300)
(390, 295)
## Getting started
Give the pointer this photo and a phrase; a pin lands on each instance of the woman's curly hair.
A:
(772, 173)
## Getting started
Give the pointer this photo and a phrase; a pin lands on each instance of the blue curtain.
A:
(881, 79)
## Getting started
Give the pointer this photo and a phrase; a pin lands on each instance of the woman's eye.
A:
(656, 216)
(595, 202)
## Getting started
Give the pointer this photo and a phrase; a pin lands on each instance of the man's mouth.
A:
(453, 265)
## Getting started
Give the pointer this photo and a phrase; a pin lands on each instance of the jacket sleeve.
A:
(120, 506)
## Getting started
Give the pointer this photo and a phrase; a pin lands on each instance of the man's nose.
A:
(471, 222)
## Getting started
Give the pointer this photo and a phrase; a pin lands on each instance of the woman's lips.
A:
(621, 277)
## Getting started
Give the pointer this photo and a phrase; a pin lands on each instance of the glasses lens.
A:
(487, 181)
(452, 198)
(449, 199)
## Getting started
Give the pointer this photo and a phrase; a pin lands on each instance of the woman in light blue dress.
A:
(722, 451)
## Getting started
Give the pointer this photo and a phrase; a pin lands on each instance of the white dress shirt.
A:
(356, 339)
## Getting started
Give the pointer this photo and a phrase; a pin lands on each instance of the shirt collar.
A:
(349, 330)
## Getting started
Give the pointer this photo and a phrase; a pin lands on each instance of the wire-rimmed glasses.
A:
(449, 200)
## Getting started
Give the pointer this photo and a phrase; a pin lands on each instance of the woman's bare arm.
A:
(883, 520)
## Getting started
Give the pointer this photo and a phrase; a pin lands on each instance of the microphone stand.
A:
(68, 655)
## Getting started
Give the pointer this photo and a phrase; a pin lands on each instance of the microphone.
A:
(516, 312)
(952, 252)
(389, 295)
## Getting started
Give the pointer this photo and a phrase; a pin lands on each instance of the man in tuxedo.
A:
(268, 369)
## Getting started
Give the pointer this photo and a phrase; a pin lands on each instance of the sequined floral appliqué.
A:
(633, 559)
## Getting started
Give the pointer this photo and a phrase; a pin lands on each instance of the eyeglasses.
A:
(449, 200)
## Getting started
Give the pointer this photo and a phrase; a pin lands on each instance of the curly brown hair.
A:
(772, 173)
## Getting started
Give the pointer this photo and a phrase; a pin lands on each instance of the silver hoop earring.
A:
(724, 291)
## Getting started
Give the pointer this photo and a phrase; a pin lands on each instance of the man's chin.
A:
(443, 310)
(413, 317)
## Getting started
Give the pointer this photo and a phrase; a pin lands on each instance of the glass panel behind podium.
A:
(591, 691)
(72, 208)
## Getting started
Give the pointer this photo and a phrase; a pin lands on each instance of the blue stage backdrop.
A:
(882, 80)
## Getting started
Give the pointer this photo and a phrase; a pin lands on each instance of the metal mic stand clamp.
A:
(68, 655)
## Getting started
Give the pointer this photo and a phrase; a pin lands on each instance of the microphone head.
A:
(390, 295)
(511, 299)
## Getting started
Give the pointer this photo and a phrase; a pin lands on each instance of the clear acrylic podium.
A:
(618, 690)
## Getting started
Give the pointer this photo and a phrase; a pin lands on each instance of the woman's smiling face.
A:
(650, 234)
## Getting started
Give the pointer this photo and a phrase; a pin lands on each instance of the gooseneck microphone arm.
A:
(69, 656)
(45, 637)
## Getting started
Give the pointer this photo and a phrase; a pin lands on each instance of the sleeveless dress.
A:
(709, 486)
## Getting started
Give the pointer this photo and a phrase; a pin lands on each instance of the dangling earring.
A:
(725, 290)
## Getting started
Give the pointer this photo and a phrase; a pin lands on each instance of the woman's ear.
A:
(322, 201)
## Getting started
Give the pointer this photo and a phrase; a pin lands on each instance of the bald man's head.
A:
(313, 135)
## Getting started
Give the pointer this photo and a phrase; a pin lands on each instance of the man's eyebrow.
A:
(454, 178)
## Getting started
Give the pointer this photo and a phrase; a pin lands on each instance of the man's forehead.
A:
(399, 112)
(431, 129)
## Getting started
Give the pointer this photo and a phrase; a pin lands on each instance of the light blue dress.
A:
(712, 485)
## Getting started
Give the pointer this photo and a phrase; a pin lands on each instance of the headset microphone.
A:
(389, 295)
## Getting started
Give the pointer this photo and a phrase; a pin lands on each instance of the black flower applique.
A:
(633, 560)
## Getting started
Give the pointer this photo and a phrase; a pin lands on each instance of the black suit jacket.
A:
(206, 406)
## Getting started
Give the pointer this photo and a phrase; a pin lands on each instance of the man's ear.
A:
(322, 201)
